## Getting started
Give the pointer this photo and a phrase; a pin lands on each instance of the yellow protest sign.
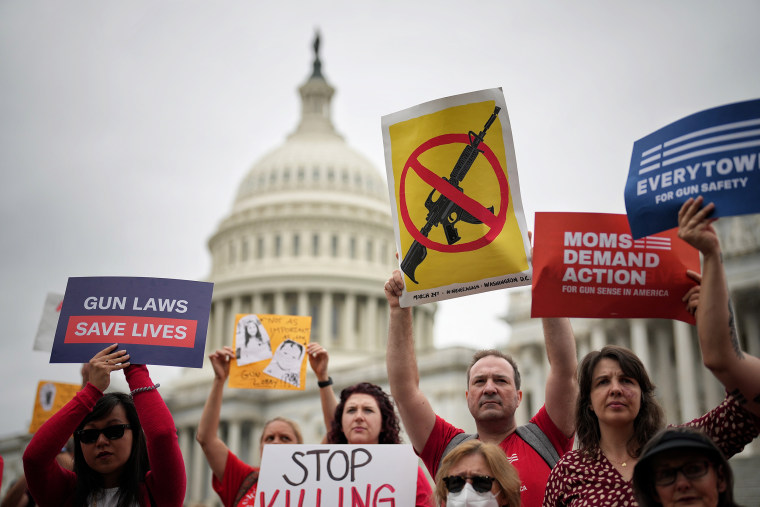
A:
(455, 197)
(270, 352)
(51, 396)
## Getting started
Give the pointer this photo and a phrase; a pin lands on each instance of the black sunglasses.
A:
(114, 432)
(480, 483)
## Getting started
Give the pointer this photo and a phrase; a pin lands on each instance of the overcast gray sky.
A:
(126, 127)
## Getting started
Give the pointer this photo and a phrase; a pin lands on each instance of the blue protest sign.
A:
(157, 320)
(713, 153)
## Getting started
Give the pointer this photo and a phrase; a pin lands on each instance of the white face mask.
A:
(468, 497)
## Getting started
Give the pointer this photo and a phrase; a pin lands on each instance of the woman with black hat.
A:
(683, 466)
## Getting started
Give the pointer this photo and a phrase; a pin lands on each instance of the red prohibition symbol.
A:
(495, 223)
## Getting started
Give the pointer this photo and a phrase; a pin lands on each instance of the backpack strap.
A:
(247, 483)
(458, 439)
(530, 433)
(537, 439)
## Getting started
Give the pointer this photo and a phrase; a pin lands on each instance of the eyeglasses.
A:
(480, 483)
(114, 432)
(694, 470)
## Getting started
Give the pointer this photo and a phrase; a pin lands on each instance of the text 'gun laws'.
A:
(443, 211)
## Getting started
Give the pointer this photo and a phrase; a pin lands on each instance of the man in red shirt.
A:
(493, 395)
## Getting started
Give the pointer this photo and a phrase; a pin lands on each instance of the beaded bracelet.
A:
(143, 389)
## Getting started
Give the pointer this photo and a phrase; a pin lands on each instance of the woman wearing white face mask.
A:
(476, 474)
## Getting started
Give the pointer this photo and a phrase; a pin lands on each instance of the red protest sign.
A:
(589, 265)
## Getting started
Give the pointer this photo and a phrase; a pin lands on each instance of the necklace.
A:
(621, 463)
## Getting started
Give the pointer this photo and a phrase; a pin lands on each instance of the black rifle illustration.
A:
(443, 211)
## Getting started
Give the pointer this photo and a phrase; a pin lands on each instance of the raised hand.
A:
(220, 362)
(393, 288)
(103, 363)
(696, 228)
(318, 359)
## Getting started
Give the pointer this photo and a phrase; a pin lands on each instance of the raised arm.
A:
(318, 359)
(415, 410)
(166, 479)
(214, 448)
(721, 353)
(562, 381)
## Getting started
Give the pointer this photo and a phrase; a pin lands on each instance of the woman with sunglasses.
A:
(617, 411)
(233, 480)
(126, 451)
(680, 466)
(477, 474)
(363, 415)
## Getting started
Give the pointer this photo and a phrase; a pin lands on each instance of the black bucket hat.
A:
(679, 437)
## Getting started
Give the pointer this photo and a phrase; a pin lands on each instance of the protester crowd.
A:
(599, 439)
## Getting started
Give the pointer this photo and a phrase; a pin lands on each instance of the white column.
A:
(195, 480)
(218, 325)
(233, 436)
(256, 303)
(382, 329)
(210, 334)
(369, 337)
(325, 317)
(255, 438)
(662, 375)
(583, 344)
(640, 341)
(713, 391)
(349, 322)
(360, 341)
(228, 323)
(279, 303)
(598, 338)
(237, 307)
(303, 303)
(186, 441)
(686, 371)
(427, 328)
(417, 327)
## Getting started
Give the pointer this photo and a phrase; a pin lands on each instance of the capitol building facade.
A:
(310, 233)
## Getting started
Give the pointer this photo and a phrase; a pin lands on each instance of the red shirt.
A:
(532, 468)
(235, 472)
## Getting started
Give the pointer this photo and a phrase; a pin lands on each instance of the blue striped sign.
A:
(713, 153)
